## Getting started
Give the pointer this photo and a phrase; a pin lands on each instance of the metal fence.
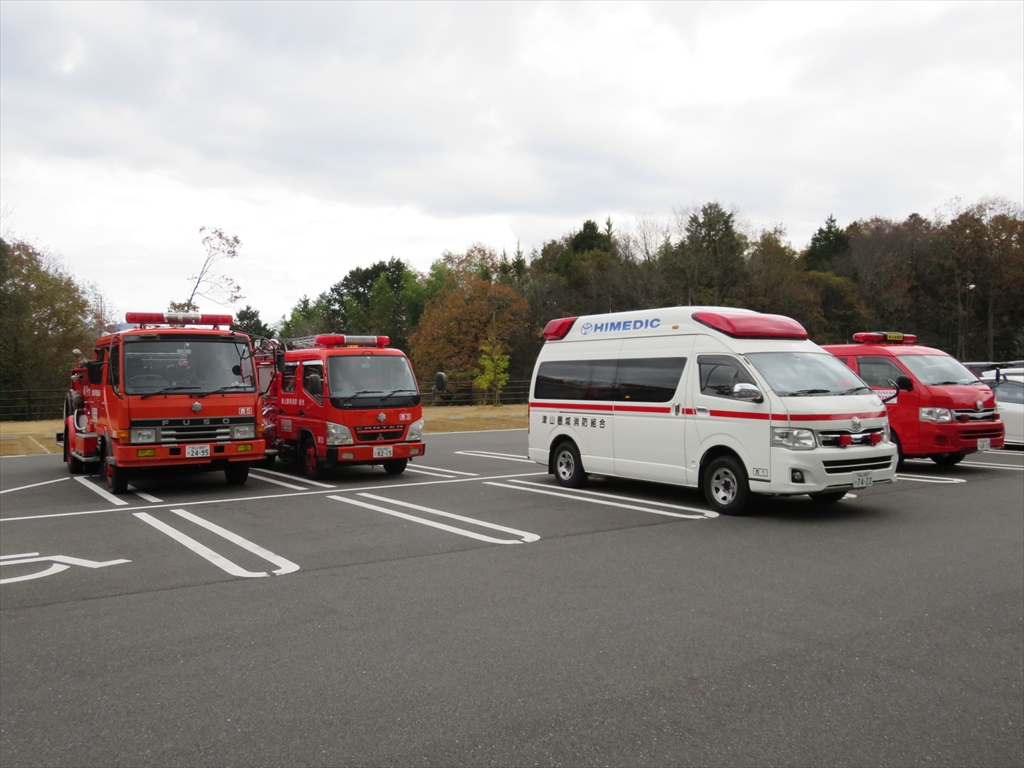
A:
(31, 404)
(39, 404)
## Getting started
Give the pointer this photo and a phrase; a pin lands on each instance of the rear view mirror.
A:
(94, 371)
(440, 382)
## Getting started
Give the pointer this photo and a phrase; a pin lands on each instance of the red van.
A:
(937, 408)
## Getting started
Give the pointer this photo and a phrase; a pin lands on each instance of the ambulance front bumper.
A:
(828, 469)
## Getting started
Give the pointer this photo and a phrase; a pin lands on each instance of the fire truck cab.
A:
(937, 408)
(341, 399)
(167, 390)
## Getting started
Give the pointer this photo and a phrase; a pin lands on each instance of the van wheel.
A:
(725, 485)
(396, 466)
(117, 478)
(75, 466)
(947, 459)
(312, 467)
(828, 497)
(899, 451)
(237, 472)
(267, 462)
(568, 466)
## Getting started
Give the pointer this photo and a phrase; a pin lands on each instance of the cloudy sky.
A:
(332, 135)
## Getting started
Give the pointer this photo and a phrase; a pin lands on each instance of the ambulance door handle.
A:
(702, 411)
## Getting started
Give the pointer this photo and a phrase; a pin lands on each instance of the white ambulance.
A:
(728, 400)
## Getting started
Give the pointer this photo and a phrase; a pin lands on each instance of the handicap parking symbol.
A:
(58, 563)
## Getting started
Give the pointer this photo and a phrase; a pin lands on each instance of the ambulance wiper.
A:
(802, 392)
(165, 390)
(854, 390)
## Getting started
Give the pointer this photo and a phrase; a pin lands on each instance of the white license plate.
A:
(383, 452)
(197, 451)
(862, 480)
(984, 443)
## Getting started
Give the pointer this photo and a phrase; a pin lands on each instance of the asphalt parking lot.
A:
(472, 612)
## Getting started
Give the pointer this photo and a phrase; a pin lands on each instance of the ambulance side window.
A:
(115, 368)
(652, 380)
(719, 375)
(876, 371)
(288, 377)
(311, 369)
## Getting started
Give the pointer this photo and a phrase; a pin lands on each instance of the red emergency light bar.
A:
(878, 337)
(752, 326)
(176, 318)
(341, 340)
(557, 329)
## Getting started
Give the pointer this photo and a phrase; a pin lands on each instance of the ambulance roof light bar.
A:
(176, 318)
(884, 337)
(557, 329)
(343, 340)
(753, 325)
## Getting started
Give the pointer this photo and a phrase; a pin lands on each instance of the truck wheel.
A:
(267, 462)
(947, 459)
(828, 497)
(725, 485)
(568, 466)
(312, 468)
(237, 472)
(75, 466)
(395, 466)
(117, 478)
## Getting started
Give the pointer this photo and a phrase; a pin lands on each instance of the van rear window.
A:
(649, 380)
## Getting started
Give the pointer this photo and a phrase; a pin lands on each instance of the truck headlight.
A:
(243, 432)
(415, 432)
(143, 436)
(937, 415)
(338, 434)
(794, 439)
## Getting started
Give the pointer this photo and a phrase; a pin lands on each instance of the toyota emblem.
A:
(856, 424)
(197, 407)
(381, 417)
(978, 405)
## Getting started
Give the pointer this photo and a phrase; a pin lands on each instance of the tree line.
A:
(956, 280)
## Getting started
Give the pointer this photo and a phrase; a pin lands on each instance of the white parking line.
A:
(263, 471)
(492, 455)
(45, 449)
(524, 536)
(431, 474)
(701, 510)
(101, 492)
(35, 485)
(588, 496)
(145, 496)
(284, 566)
(278, 482)
(930, 479)
(994, 465)
(442, 469)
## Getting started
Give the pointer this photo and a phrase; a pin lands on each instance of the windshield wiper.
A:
(365, 392)
(956, 383)
(854, 390)
(167, 390)
(228, 388)
(802, 392)
(396, 391)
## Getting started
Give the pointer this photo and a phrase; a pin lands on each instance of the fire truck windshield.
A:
(192, 365)
(370, 378)
(807, 374)
(938, 370)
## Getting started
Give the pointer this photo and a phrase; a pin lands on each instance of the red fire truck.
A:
(168, 390)
(937, 408)
(339, 399)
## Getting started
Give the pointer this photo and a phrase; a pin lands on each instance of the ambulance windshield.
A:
(364, 381)
(807, 374)
(193, 366)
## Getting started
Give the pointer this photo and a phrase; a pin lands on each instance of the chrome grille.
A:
(985, 414)
(832, 438)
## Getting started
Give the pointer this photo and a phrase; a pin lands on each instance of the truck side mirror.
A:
(279, 361)
(440, 382)
(315, 385)
(904, 383)
(94, 371)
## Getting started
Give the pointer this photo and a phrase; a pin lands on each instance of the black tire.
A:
(568, 466)
(117, 479)
(395, 466)
(237, 472)
(309, 462)
(947, 459)
(725, 485)
(75, 466)
(899, 451)
(828, 497)
(267, 462)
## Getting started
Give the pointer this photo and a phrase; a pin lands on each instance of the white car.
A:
(1009, 392)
